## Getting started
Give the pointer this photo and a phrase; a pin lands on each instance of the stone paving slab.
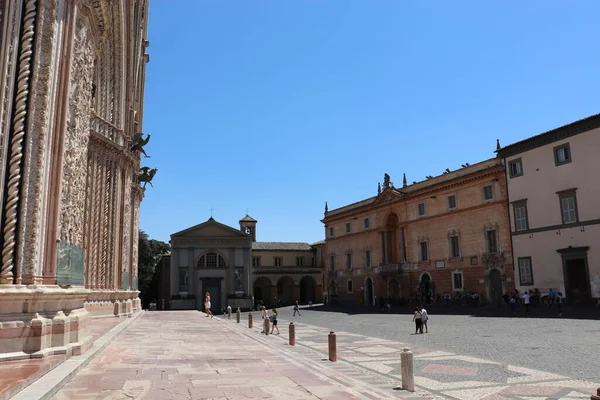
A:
(184, 355)
(443, 374)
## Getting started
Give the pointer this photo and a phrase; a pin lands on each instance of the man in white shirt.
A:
(424, 319)
(526, 301)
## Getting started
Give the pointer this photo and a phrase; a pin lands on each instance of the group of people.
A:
(273, 318)
(420, 319)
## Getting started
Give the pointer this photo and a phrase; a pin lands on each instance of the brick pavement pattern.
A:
(183, 355)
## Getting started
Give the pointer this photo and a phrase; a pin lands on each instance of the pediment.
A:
(210, 229)
(388, 196)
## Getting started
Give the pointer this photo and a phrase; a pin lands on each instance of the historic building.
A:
(71, 107)
(554, 213)
(237, 270)
(446, 234)
(210, 257)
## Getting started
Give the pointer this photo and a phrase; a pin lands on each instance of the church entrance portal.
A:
(212, 286)
(369, 292)
(495, 286)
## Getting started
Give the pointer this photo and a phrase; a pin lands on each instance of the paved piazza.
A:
(184, 355)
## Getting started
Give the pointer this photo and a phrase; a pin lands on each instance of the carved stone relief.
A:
(77, 134)
(127, 220)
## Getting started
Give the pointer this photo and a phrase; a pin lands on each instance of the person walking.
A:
(418, 321)
(296, 309)
(526, 301)
(274, 321)
(424, 319)
(559, 303)
(207, 305)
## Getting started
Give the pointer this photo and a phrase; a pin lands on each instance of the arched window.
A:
(211, 260)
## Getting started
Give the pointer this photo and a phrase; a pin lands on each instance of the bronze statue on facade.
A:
(138, 143)
(145, 176)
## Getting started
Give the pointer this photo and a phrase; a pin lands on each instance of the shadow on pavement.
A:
(579, 312)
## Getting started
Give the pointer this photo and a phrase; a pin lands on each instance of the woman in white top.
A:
(207, 305)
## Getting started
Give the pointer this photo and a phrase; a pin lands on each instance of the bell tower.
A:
(248, 225)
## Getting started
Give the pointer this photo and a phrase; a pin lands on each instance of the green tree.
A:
(150, 252)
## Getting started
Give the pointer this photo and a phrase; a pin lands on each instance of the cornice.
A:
(428, 190)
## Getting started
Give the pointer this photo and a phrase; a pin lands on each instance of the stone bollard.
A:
(406, 366)
(332, 347)
(266, 326)
(292, 331)
(250, 320)
(238, 315)
(597, 396)
(228, 312)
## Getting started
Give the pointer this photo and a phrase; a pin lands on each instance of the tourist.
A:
(264, 314)
(418, 321)
(513, 304)
(274, 321)
(424, 319)
(559, 303)
(296, 309)
(207, 305)
(526, 301)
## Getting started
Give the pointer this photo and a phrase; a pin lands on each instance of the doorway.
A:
(212, 286)
(495, 286)
(577, 281)
(369, 292)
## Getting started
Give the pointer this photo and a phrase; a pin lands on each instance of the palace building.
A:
(446, 234)
(554, 215)
(237, 270)
(71, 110)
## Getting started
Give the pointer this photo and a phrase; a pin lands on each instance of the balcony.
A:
(393, 269)
(107, 130)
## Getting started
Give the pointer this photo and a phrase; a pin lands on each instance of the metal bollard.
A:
(332, 347)
(228, 312)
(250, 320)
(597, 396)
(238, 315)
(406, 366)
(266, 326)
(292, 331)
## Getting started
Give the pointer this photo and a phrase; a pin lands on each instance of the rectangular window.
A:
(350, 287)
(457, 281)
(313, 262)
(452, 201)
(367, 223)
(454, 247)
(299, 261)
(421, 209)
(562, 154)
(183, 280)
(278, 261)
(332, 263)
(515, 168)
(491, 241)
(349, 261)
(348, 227)
(256, 261)
(488, 193)
(424, 252)
(368, 258)
(568, 207)
(520, 211)
(331, 231)
(525, 271)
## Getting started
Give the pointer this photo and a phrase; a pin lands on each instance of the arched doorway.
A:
(369, 292)
(308, 288)
(495, 279)
(394, 289)
(425, 288)
(285, 291)
(390, 240)
(263, 291)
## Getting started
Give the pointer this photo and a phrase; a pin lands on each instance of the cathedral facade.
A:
(71, 109)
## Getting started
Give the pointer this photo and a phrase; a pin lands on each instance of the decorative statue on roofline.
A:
(145, 176)
(138, 142)
(386, 181)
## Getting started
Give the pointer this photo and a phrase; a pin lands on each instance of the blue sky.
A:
(278, 106)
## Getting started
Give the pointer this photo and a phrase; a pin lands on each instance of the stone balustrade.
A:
(108, 130)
